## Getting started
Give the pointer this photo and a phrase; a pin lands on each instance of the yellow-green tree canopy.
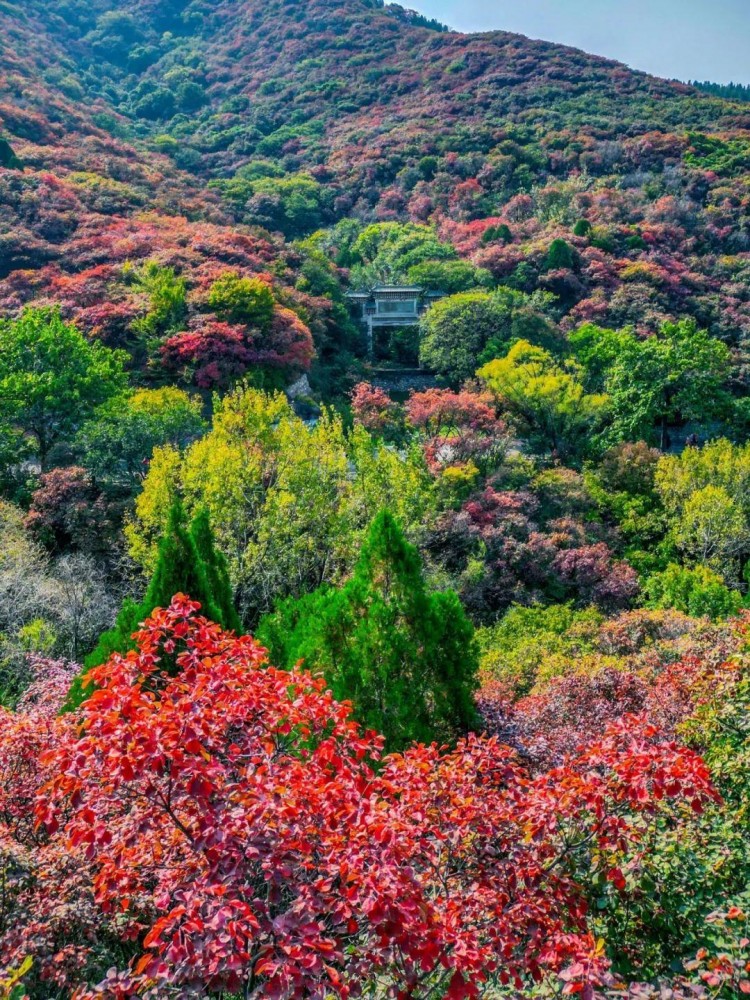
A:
(545, 401)
(288, 501)
(706, 495)
(460, 331)
(122, 433)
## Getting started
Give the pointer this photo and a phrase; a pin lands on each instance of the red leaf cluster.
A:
(232, 817)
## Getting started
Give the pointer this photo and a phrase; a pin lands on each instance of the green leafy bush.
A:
(697, 592)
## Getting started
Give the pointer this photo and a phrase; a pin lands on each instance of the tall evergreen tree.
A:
(217, 572)
(188, 563)
(179, 568)
(405, 657)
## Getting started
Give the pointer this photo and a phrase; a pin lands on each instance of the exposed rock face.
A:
(299, 389)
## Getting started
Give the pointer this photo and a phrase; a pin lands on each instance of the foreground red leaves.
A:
(228, 826)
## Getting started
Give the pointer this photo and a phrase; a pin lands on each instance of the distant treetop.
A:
(414, 18)
(729, 91)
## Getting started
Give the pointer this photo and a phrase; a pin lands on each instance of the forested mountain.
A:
(313, 685)
(294, 116)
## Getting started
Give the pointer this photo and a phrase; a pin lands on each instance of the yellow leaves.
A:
(152, 506)
(719, 463)
(562, 665)
(644, 272)
(287, 500)
(457, 481)
(252, 414)
(544, 398)
(731, 263)
(381, 477)
(532, 373)
(86, 180)
(155, 401)
(10, 983)
(501, 372)
(459, 474)
(226, 476)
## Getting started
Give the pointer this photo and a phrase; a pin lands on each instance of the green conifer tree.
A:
(405, 657)
(179, 568)
(217, 572)
(560, 255)
(187, 563)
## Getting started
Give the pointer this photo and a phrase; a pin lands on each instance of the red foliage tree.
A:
(572, 711)
(213, 354)
(668, 666)
(67, 509)
(597, 576)
(456, 425)
(47, 909)
(376, 411)
(231, 812)
(526, 557)
(288, 344)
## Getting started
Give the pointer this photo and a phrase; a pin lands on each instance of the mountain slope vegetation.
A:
(497, 745)
(292, 116)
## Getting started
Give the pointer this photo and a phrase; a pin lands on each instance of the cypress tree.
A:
(217, 572)
(179, 568)
(187, 563)
(560, 255)
(405, 657)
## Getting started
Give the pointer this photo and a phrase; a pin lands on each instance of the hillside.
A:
(313, 684)
(292, 116)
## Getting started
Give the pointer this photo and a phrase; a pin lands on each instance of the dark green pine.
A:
(187, 563)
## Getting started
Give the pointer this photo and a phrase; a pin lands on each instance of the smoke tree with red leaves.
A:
(452, 426)
(670, 899)
(47, 909)
(597, 577)
(214, 354)
(525, 556)
(663, 665)
(573, 710)
(68, 510)
(233, 829)
(377, 412)
(457, 426)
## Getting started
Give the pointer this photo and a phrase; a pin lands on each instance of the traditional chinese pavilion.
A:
(390, 306)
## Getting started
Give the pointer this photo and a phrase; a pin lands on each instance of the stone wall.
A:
(402, 380)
